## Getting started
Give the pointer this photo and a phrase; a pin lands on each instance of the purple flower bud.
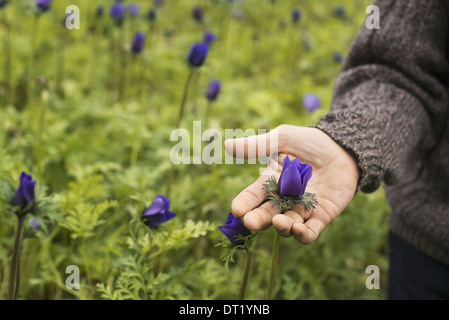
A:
(158, 212)
(311, 102)
(3, 3)
(338, 57)
(133, 8)
(209, 37)
(233, 229)
(138, 42)
(99, 11)
(213, 90)
(118, 12)
(34, 224)
(340, 11)
(296, 15)
(197, 54)
(198, 13)
(24, 198)
(151, 15)
(43, 5)
(294, 177)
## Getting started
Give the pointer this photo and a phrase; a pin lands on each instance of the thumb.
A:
(254, 146)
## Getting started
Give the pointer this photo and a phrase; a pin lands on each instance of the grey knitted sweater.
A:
(390, 110)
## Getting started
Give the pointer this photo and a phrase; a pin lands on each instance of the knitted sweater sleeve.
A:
(390, 100)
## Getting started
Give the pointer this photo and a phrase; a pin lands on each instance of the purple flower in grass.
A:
(3, 3)
(198, 13)
(294, 177)
(213, 90)
(158, 212)
(197, 54)
(34, 224)
(311, 102)
(133, 8)
(234, 229)
(138, 42)
(209, 37)
(118, 12)
(24, 197)
(338, 57)
(151, 15)
(43, 5)
(296, 15)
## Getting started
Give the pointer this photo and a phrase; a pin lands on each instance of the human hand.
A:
(334, 181)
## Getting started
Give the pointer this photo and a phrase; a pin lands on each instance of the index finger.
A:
(250, 198)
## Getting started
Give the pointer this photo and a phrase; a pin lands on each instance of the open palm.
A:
(334, 181)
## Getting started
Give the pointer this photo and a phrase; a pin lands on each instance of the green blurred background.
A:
(91, 121)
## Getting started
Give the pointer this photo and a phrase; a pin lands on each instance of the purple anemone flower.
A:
(213, 90)
(43, 5)
(197, 54)
(24, 198)
(118, 12)
(198, 13)
(296, 15)
(158, 212)
(151, 15)
(233, 229)
(138, 42)
(133, 8)
(311, 102)
(338, 57)
(294, 177)
(209, 37)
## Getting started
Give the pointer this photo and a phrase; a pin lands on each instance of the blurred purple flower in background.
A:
(43, 5)
(311, 102)
(233, 229)
(213, 90)
(99, 11)
(158, 212)
(338, 57)
(209, 37)
(294, 177)
(158, 2)
(3, 3)
(118, 12)
(296, 15)
(198, 13)
(197, 54)
(138, 42)
(133, 8)
(151, 15)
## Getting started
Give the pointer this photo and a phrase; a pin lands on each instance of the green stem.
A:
(184, 97)
(30, 76)
(13, 278)
(178, 124)
(274, 256)
(245, 277)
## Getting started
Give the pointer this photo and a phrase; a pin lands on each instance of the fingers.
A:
(251, 197)
(304, 226)
(253, 146)
(260, 218)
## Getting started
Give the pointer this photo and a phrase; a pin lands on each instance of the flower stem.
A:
(184, 97)
(178, 124)
(274, 256)
(13, 275)
(245, 277)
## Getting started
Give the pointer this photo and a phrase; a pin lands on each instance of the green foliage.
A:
(100, 160)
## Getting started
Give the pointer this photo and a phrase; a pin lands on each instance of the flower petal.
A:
(290, 186)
